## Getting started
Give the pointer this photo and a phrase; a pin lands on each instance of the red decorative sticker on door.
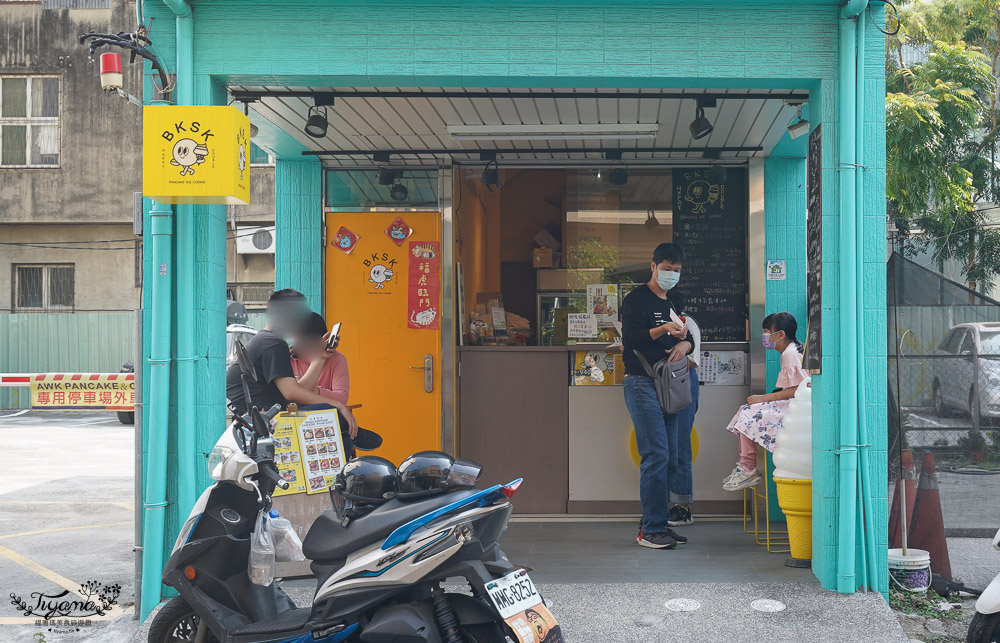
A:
(424, 292)
(345, 240)
(399, 231)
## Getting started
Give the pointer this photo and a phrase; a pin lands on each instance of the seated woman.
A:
(759, 420)
(321, 370)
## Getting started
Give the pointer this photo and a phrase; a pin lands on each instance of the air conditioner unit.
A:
(255, 240)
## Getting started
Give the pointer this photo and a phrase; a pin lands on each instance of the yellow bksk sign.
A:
(196, 154)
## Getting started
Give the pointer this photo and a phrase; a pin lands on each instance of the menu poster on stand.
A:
(322, 449)
(308, 451)
(710, 223)
(602, 303)
(288, 455)
(814, 250)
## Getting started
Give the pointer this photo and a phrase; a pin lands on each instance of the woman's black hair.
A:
(785, 322)
(315, 326)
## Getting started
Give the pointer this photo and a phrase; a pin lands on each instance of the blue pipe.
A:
(872, 577)
(848, 450)
(186, 354)
(154, 501)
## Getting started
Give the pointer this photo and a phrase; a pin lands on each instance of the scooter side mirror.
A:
(246, 364)
(261, 426)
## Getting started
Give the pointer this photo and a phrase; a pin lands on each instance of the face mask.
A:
(765, 340)
(667, 279)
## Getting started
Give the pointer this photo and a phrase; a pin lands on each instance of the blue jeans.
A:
(654, 432)
(681, 484)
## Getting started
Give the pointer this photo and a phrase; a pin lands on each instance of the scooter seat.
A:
(328, 540)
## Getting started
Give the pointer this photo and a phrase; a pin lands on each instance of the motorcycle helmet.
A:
(430, 472)
(367, 481)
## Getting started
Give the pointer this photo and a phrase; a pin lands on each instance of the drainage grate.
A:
(682, 605)
(767, 605)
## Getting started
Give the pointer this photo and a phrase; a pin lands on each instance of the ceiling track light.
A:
(317, 123)
(491, 175)
(385, 175)
(246, 112)
(800, 126)
(701, 127)
(399, 192)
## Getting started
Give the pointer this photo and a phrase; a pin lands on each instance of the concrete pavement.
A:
(66, 518)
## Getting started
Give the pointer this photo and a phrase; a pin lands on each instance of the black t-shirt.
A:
(642, 310)
(271, 359)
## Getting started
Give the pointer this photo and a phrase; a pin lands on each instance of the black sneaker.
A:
(681, 540)
(657, 541)
(680, 516)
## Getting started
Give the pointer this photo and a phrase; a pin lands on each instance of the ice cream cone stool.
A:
(775, 541)
(795, 500)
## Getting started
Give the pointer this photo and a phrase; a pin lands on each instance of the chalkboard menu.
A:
(710, 224)
(814, 245)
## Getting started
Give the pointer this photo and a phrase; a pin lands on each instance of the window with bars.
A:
(29, 121)
(39, 288)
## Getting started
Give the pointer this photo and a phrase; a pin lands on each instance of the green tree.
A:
(942, 131)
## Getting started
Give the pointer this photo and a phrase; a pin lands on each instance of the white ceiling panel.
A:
(365, 122)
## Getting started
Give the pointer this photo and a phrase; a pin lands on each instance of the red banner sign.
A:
(424, 292)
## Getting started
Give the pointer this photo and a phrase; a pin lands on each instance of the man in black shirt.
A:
(276, 384)
(646, 327)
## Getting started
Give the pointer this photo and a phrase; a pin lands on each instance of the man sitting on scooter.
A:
(287, 312)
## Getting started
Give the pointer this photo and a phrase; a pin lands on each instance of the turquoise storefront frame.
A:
(634, 44)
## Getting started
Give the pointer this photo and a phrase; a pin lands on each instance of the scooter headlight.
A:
(216, 460)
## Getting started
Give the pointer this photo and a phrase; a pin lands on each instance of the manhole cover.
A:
(767, 605)
(682, 605)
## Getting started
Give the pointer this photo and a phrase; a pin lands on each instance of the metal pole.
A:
(137, 431)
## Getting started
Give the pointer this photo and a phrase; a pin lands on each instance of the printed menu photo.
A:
(322, 449)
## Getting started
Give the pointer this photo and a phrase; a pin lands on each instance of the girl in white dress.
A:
(759, 420)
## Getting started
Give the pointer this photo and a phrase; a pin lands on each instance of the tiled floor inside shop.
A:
(564, 551)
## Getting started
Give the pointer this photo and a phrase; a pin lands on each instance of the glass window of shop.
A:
(383, 188)
(548, 255)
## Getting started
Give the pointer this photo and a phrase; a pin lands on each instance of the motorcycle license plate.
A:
(521, 607)
(513, 593)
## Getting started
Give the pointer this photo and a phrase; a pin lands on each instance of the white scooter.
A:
(985, 626)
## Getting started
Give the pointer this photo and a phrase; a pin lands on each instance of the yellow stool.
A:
(776, 541)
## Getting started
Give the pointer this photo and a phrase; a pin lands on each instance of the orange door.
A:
(387, 293)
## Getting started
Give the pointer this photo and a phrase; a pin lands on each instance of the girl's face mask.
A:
(767, 342)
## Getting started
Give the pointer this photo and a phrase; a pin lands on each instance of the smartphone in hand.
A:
(334, 339)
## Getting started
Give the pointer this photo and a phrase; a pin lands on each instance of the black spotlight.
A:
(316, 124)
(386, 176)
(618, 176)
(716, 174)
(399, 192)
(700, 127)
(491, 175)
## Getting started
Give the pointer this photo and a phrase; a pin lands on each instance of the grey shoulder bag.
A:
(671, 381)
